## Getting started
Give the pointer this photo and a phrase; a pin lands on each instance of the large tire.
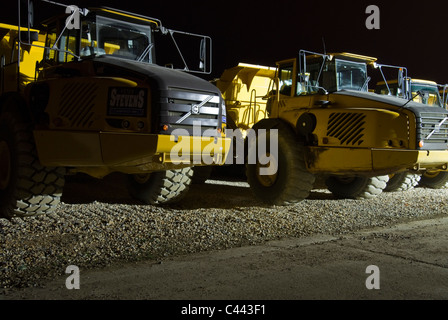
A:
(356, 187)
(164, 187)
(292, 182)
(402, 181)
(26, 187)
(438, 180)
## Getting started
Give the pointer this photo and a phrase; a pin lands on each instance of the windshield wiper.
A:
(419, 93)
(366, 84)
(145, 52)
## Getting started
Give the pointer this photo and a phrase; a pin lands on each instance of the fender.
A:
(270, 124)
(277, 123)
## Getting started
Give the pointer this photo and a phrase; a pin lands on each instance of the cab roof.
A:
(112, 13)
(124, 14)
(414, 81)
(347, 56)
(353, 56)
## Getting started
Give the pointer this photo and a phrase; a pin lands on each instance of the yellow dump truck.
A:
(325, 123)
(92, 99)
(428, 93)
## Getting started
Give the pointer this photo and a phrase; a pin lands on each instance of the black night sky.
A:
(413, 34)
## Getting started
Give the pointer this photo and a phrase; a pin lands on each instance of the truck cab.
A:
(341, 71)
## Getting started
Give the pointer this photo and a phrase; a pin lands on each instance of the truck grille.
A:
(432, 128)
(347, 127)
(191, 111)
(77, 100)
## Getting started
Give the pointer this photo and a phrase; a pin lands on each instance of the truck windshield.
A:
(422, 93)
(332, 75)
(350, 75)
(429, 95)
(106, 36)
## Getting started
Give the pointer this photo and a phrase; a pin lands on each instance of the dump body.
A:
(244, 89)
(10, 79)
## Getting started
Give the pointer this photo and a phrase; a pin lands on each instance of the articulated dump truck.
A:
(327, 126)
(93, 100)
(431, 94)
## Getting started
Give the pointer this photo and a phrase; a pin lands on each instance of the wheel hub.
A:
(431, 175)
(346, 180)
(141, 178)
(5, 165)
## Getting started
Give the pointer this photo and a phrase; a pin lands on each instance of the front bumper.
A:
(128, 152)
(373, 161)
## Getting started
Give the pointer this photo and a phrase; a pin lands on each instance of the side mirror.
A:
(323, 91)
(202, 53)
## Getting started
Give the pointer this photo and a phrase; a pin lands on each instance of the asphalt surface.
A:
(403, 262)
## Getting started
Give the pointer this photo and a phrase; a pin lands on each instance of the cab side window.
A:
(50, 55)
(66, 46)
(285, 79)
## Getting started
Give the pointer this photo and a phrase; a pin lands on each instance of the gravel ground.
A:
(99, 224)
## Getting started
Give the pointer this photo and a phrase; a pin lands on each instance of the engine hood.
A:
(395, 101)
(431, 122)
(164, 77)
(179, 100)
